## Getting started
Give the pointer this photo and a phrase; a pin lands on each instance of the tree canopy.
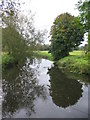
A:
(19, 35)
(66, 34)
(84, 16)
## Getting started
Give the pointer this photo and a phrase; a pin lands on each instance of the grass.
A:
(76, 62)
(77, 52)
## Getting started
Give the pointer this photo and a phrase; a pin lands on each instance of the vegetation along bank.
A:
(75, 62)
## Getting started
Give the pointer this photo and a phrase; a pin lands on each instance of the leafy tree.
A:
(19, 35)
(66, 34)
(14, 43)
(84, 16)
(84, 9)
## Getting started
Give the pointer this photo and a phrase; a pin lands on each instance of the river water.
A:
(40, 90)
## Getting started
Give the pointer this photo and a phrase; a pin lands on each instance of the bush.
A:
(7, 60)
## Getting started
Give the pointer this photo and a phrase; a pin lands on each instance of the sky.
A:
(46, 11)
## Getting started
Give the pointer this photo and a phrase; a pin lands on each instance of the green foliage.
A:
(84, 10)
(7, 60)
(75, 63)
(42, 47)
(14, 43)
(19, 37)
(66, 34)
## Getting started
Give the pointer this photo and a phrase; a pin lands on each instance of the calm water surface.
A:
(40, 90)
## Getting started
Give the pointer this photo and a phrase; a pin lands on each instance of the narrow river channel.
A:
(40, 90)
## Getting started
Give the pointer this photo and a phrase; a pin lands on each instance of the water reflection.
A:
(21, 89)
(64, 91)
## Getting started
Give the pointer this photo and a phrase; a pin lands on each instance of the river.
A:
(40, 90)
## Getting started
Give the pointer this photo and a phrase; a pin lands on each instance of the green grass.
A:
(75, 64)
(77, 52)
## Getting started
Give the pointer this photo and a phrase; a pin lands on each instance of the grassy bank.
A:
(76, 62)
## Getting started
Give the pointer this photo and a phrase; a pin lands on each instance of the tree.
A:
(84, 16)
(19, 34)
(84, 11)
(14, 43)
(66, 34)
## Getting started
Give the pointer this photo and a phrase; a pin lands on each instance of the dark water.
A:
(40, 90)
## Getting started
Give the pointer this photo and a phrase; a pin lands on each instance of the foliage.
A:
(84, 10)
(66, 34)
(14, 43)
(19, 37)
(43, 47)
(10, 9)
(7, 60)
(75, 63)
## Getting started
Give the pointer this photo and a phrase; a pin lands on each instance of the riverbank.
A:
(76, 62)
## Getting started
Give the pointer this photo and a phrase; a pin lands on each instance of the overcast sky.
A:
(47, 10)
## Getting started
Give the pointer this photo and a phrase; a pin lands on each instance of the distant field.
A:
(75, 52)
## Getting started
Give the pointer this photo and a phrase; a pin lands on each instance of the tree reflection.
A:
(64, 91)
(21, 89)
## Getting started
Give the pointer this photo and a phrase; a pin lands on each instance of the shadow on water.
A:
(21, 89)
(64, 91)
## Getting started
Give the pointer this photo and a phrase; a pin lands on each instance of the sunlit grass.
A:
(77, 52)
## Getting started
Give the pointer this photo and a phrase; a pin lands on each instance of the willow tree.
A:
(66, 34)
(19, 34)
